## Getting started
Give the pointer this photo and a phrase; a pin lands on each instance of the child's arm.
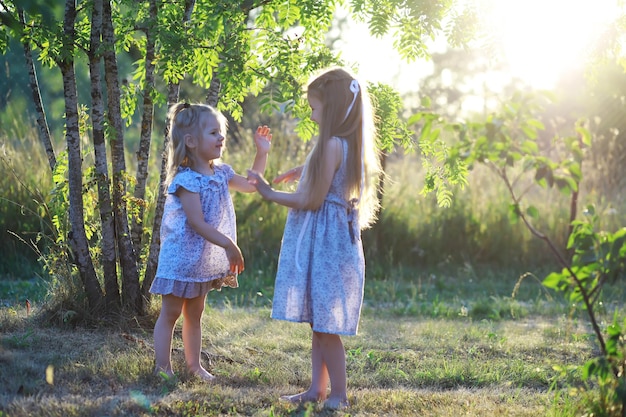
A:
(262, 140)
(289, 176)
(297, 200)
(193, 210)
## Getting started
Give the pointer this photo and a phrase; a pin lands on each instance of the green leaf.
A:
(530, 133)
(585, 135)
(566, 185)
(553, 280)
(514, 213)
(532, 212)
(530, 147)
(536, 124)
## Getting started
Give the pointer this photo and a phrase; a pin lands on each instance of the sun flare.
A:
(543, 39)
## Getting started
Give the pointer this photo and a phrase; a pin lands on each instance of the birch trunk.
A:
(213, 95)
(131, 297)
(77, 237)
(143, 153)
(42, 122)
(155, 244)
(109, 258)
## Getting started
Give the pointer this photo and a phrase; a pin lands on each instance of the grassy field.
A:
(441, 344)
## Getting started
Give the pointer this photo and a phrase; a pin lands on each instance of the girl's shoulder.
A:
(195, 182)
(337, 144)
(185, 178)
(224, 170)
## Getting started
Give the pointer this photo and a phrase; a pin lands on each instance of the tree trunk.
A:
(109, 258)
(155, 244)
(77, 237)
(143, 153)
(42, 123)
(131, 297)
(213, 95)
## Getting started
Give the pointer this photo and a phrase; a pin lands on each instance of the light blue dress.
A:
(321, 267)
(190, 266)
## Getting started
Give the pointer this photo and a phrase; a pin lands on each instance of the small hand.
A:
(260, 183)
(235, 258)
(292, 175)
(263, 139)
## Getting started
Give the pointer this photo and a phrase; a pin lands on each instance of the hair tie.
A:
(354, 87)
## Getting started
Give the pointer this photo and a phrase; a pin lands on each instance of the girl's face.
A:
(210, 143)
(316, 109)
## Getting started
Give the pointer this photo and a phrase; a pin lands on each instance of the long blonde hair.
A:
(355, 124)
(184, 119)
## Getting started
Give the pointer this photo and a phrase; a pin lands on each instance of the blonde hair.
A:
(356, 125)
(184, 119)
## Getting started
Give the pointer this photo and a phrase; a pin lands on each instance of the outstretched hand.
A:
(289, 176)
(262, 139)
(260, 183)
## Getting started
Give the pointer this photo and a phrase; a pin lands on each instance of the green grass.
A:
(404, 366)
(16, 292)
(431, 343)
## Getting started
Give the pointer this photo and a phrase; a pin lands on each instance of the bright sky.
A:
(542, 40)
(377, 61)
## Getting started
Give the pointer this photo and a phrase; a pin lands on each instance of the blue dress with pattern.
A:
(190, 266)
(321, 267)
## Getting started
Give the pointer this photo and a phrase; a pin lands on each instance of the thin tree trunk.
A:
(109, 258)
(143, 153)
(213, 95)
(131, 298)
(42, 123)
(77, 237)
(573, 211)
(155, 244)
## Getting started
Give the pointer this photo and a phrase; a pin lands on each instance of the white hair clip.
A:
(354, 87)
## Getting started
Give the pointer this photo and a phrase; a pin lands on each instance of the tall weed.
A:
(24, 186)
(414, 230)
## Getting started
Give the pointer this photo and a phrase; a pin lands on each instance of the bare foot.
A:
(303, 397)
(336, 403)
(204, 375)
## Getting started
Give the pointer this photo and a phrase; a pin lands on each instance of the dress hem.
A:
(189, 289)
(317, 330)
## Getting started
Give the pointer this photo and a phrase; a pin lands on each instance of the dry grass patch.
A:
(396, 366)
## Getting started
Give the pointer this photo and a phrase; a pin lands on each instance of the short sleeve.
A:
(225, 171)
(185, 178)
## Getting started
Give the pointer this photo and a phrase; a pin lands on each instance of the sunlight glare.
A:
(543, 39)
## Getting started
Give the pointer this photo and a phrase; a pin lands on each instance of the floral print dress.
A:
(321, 268)
(190, 266)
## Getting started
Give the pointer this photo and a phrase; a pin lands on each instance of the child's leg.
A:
(171, 307)
(334, 356)
(319, 370)
(192, 335)
(319, 377)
